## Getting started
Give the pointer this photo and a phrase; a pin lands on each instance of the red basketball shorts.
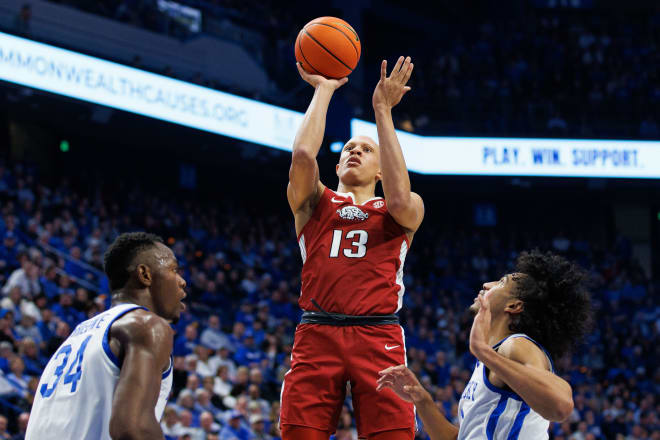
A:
(325, 358)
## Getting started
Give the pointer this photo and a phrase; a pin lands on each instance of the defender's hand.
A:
(390, 90)
(403, 382)
(480, 328)
(318, 80)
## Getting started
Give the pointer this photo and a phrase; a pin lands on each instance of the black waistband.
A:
(337, 319)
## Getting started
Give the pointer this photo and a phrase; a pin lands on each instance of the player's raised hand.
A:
(390, 90)
(480, 327)
(317, 80)
(403, 382)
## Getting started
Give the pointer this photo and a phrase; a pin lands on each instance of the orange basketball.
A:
(328, 46)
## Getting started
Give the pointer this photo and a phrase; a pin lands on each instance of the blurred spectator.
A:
(206, 365)
(6, 323)
(27, 328)
(29, 352)
(221, 382)
(17, 305)
(234, 430)
(22, 20)
(170, 424)
(185, 344)
(25, 279)
(212, 336)
(188, 427)
(649, 128)
(257, 423)
(208, 425)
(23, 419)
(4, 434)
(62, 331)
(17, 378)
(65, 310)
(203, 403)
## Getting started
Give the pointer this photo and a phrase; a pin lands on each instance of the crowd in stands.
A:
(557, 73)
(522, 72)
(232, 345)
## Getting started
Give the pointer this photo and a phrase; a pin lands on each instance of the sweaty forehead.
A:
(165, 253)
(159, 254)
(362, 140)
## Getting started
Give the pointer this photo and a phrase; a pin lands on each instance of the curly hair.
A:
(120, 255)
(556, 303)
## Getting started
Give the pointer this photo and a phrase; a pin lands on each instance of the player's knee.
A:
(395, 434)
(294, 432)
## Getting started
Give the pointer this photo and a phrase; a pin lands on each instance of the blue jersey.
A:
(74, 396)
(487, 412)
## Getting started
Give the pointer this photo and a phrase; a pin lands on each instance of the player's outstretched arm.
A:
(146, 344)
(522, 365)
(405, 384)
(304, 184)
(405, 206)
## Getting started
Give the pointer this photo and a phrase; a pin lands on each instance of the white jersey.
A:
(486, 412)
(74, 396)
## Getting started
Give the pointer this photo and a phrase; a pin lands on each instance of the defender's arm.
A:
(146, 345)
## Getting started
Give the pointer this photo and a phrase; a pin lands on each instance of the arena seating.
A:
(516, 70)
(233, 344)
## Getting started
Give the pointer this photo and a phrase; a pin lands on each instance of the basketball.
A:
(328, 46)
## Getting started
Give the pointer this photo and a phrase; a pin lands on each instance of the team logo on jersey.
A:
(352, 213)
(378, 204)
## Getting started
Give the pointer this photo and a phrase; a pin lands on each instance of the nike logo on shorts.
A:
(387, 347)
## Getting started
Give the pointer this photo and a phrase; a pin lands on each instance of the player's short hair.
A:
(120, 255)
(557, 305)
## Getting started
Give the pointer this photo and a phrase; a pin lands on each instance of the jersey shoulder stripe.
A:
(524, 336)
(106, 345)
(505, 392)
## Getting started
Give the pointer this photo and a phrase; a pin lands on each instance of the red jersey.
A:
(352, 257)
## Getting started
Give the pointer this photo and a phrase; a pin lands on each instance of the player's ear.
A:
(379, 176)
(514, 306)
(337, 169)
(144, 275)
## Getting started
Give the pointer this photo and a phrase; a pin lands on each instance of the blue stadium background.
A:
(543, 68)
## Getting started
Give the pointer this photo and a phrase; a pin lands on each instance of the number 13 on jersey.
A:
(357, 248)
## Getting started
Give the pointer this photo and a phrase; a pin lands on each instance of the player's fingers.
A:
(343, 81)
(385, 371)
(386, 378)
(398, 371)
(392, 368)
(407, 373)
(384, 385)
(397, 68)
(406, 89)
(301, 71)
(383, 69)
(404, 69)
(409, 70)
